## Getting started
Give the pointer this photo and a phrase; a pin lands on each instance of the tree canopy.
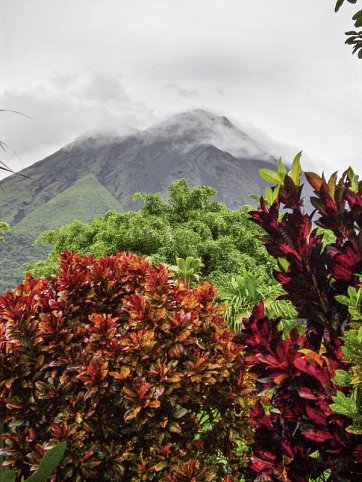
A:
(189, 224)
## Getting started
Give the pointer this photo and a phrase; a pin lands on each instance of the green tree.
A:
(190, 224)
(354, 37)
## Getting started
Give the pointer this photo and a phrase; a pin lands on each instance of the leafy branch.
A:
(354, 36)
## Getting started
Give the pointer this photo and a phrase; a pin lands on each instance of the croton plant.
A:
(136, 372)
(298, 436)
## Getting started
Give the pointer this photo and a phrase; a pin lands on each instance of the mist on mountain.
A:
(99, 171)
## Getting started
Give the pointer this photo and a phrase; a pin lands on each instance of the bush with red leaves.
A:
(297, 435)
(119, 361)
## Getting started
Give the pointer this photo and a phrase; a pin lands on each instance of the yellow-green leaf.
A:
(270, 176)
(132, 413)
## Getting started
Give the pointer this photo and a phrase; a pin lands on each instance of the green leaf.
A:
(48, 463)
(296, 169)
(255, 197)
(357, 15)
(344, 300)
(342, 378)
(181, 263)
(338, 5)
(353, 429)
(268, 194)
(353, 179)
(180, 412)
(315, 454)
(7, 475)
(283, 264)
(344, 405)
(270, 176)
(358, 19)
(332, 184)
(281, 168)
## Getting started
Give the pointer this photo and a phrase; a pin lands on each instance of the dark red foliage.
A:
(118, 360)
(296, 374)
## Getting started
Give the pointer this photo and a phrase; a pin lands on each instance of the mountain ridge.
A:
(203, 148)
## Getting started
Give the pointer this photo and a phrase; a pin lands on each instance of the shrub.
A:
(297, 434)
(351, 404)
(130, 368)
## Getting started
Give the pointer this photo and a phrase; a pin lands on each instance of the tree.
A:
(189, 225)
(354, 36)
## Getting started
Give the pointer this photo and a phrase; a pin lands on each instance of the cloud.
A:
(281, 66)
(181, 91)
(63, 109)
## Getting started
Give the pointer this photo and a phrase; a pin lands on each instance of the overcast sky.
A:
(278, 68)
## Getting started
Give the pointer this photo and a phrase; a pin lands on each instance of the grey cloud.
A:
(65, 109)
(181, 91)
(279, 65)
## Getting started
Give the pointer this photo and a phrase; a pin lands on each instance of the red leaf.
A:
(317, 435)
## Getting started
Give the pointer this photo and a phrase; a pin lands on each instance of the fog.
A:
(278, 70)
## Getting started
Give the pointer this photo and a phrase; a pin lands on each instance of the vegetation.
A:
(350, 404)
(354, 36)
(18, 250)
(297, 434)
(136, 372)
(187, 269)
(245, 291)
(189, 225)
(137, 375)
(3, 228)
(47, 466)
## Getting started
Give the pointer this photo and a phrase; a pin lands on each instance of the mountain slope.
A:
(84, 200)
(202, 147)
(73, 203)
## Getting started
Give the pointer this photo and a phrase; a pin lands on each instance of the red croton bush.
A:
(297, 435)
(122, 363)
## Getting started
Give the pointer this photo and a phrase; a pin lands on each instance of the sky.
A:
(279, 69)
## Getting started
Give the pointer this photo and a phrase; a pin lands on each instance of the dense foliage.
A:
(135, 371)
(297, 435)
(243, 292)
(350, 404)
(189, 225)
(47, 466)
